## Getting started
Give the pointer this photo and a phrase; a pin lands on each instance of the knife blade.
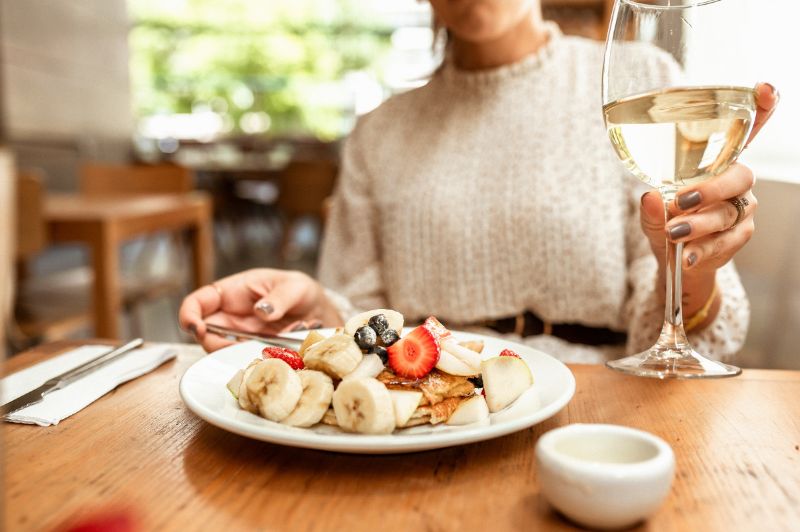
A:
(278, 340)
(68, 377)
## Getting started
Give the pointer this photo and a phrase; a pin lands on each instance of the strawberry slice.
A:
(436, 328)
(509, 353)
(414, 355)
(287, 355)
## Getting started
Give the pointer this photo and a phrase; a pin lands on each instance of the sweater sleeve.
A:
(350, 262)
(721, 339)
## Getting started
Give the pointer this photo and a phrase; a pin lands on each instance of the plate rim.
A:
(384, 443)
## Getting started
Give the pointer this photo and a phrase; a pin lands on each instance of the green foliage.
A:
(281, 57)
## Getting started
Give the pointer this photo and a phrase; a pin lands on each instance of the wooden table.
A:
(737, 444)
(105, 223)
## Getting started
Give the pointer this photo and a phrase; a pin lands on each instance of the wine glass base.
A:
(661, 363)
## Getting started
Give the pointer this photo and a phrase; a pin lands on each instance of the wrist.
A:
(698, 288)
(707, 313)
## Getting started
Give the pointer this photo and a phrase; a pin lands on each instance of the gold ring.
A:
(740, 204)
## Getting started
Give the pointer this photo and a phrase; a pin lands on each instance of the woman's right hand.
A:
(258, 300)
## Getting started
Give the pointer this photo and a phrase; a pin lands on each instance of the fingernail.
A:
(299, 327)
(772, 88)
(264, 307)
(692, 259)
(689, 200)
(680, 231)
(644, 196)
(192, 329)
(316, 324)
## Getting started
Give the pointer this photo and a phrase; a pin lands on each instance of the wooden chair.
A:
(46, 309)
(57, 305)
(305, 187)
(7, 213)
(99, 179)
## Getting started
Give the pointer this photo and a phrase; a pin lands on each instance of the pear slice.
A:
(474, 345)
(454, 366)
(370, 367)
(504, 380)
(467, 356)
(312, 338)
(470, 411)
(405, 404)
(235, 383)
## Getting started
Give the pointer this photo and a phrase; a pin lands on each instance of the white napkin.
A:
(61, 404)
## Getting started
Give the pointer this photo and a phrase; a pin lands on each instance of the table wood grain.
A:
(103, 224)
(737, 444)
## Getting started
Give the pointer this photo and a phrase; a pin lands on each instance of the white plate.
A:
(204, 392)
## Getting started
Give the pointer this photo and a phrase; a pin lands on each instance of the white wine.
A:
(680, 136)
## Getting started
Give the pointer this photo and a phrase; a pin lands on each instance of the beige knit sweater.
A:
(483, 194)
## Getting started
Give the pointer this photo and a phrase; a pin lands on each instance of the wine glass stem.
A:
(673, 336)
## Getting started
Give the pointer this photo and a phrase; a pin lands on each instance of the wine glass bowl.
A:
(678, 112)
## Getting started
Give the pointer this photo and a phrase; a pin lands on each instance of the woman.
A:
(491, 198)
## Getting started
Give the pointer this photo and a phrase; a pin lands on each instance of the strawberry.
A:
(414, 355)
(438, 330)
(509, 353)
(287, 355)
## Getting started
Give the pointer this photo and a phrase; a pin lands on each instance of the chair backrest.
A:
(112, 180)
(304, 187)
(31, 231)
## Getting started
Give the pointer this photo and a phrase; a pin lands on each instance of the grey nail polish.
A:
(689, 200)
(192, 329)
(299, 327)
(680, 231)
(692, 259)
(264, 307)
(316, 324)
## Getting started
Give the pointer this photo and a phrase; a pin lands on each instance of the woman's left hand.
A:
(703, 216)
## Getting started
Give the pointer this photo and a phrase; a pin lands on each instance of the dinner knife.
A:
(66, 378)
(278, 340)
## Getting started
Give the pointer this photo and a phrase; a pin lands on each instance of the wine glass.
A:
(678, 108)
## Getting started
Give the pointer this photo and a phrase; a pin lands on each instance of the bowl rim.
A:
(661, 463)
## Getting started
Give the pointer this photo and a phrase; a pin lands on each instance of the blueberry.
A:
(365, 337)
(389, 336)
(379, 323)
(477, 381)
(381, 352)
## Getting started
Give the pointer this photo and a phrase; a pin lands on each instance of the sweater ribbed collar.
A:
(525, 65)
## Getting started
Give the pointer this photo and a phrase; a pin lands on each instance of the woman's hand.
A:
(259, 300)
(704, 219)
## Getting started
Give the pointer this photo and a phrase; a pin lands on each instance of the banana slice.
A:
(275, 388)
(336, 355)
(365, 406)
(394, 318)
(370, 367)
(242, 397)
(316, 398)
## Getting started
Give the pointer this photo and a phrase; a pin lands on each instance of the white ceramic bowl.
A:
(604, 476)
